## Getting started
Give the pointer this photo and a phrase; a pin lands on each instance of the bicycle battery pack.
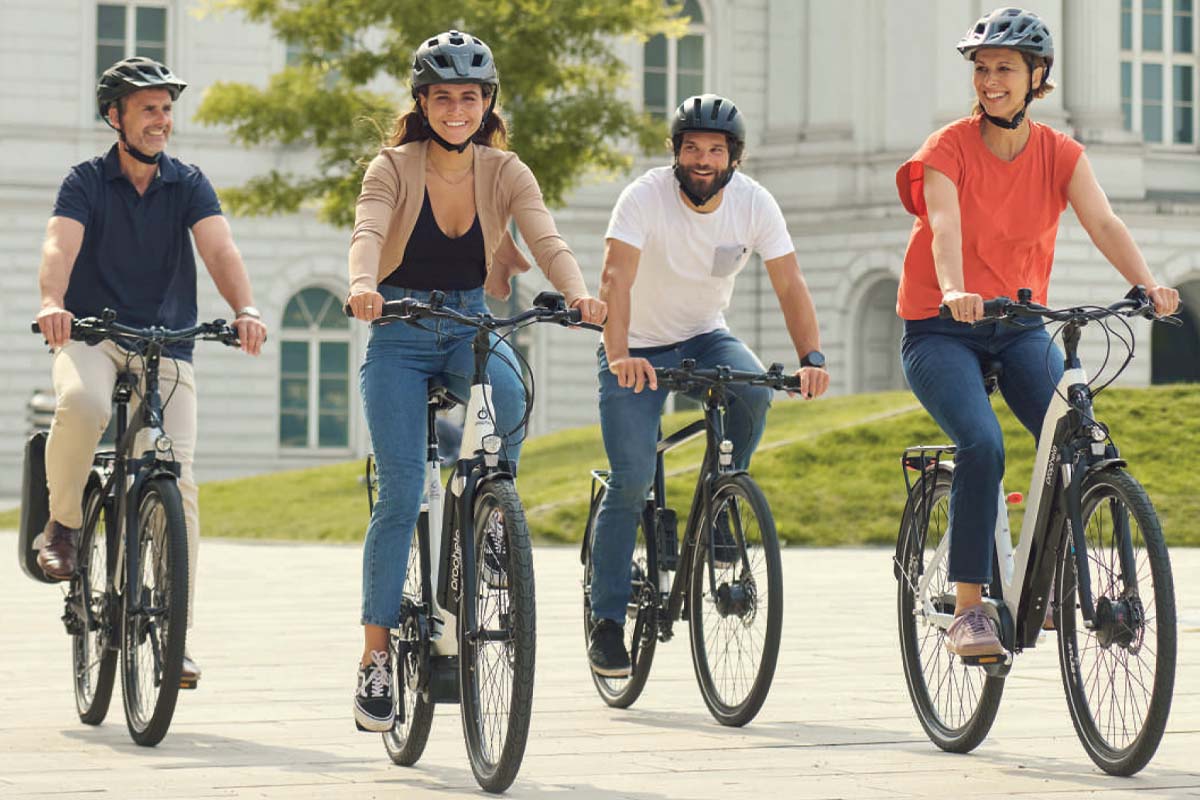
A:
(35, 506)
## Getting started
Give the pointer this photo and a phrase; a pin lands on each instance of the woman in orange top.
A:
(988, 192)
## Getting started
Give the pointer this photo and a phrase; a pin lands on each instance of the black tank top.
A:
(432, 260)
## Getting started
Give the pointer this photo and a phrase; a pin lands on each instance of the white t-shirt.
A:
(689, 260)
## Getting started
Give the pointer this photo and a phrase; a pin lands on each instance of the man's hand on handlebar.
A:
(1165, 299)
(813, 382)
(251, 334)
(55, 323)
(634, 373)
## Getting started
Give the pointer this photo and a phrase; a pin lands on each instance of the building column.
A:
(787, 40)
(1088, 66)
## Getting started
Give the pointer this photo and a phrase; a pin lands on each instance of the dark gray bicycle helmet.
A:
(708, 113)
(131, 74)
(1016, 29)
(454, 57)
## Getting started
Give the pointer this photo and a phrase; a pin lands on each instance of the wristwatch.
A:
(813, 358)
(248, 311)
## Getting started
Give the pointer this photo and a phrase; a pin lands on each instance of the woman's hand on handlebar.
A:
(591, 309)
(1165, 299)
(55, 323)
(366, 305)
(964, 306)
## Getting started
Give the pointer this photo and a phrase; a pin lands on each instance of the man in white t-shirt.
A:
(677, 239)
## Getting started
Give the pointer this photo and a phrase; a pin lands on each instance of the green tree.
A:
(559, 80)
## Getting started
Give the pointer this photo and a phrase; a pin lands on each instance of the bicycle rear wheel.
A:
(93, 656)
(641, 625)
(496, 661)
(955, 703)
(410, 656)
(734, 619)
(154, 623)
(1119, 675)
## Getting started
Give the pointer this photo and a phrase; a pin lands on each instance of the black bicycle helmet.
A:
(453, 57)
(131, 74)
(712, 113)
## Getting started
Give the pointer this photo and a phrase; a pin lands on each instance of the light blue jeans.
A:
(630, 422)
(394, 379)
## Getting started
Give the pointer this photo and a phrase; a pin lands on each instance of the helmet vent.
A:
(716, 110)
(477, 60)
(431, 43)
(456, 40)
(441, 61)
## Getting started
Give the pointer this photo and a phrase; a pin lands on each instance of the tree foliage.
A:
(559, 86)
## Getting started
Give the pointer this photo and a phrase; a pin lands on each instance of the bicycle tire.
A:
(640, 611)
(496, 711)
(150, 681)
(1096, 664)
(926, 661)
(723, 627)
(406, 742)
(93, 658)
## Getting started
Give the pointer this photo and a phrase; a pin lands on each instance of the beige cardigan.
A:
(393, 190)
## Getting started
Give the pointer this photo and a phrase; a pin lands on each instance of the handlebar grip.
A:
(996, 307)
(944, 312)
(34, 327)
(349, 312)
(574, 316)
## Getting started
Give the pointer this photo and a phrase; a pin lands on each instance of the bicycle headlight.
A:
(163, 444)
(491, 444)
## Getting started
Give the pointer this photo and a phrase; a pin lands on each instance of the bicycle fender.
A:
(906, 516)
(1108, 463)
(35, 506)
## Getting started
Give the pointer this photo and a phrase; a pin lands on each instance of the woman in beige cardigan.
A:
(433, 215)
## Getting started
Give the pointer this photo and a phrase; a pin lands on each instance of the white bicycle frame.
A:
(477, 425)
(1013, 563)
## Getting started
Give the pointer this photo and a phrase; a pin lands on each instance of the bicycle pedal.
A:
(996, 666)
(188, 684)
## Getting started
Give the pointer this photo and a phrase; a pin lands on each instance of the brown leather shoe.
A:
(57, 554)
(190, 676)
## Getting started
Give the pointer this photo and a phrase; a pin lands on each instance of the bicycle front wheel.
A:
(155, 619)
(955, 703)
(496, 661)
(641, 629)
(410, 656)
(735, 616)
(93, 654)
(1119, 674)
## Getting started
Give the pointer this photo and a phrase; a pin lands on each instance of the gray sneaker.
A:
(973, 633)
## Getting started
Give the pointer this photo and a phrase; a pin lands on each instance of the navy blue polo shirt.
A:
(136, 256)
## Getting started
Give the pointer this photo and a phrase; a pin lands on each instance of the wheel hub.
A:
(1119, 622)
(737, 599)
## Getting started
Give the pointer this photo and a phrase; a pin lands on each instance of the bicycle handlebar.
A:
(106, 327)
(548, 307)
(1135, 304)
(686, 376)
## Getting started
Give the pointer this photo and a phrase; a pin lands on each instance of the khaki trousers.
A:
(84, 377)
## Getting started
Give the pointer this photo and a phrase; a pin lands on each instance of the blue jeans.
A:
(630, 425)
(942, 360)
(394, 379)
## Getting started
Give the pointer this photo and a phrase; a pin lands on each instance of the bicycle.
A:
(470, 571)
(1090, 545)
(129, 592)
(728, 587)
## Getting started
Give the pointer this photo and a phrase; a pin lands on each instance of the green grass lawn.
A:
(831, 470)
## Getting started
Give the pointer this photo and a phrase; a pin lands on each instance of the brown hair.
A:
(410, 127)
(1032, 62)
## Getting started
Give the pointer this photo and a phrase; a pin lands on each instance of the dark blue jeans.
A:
(630, 422)
(942, 361)
(394, 379)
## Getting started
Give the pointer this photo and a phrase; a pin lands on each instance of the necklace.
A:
(463, 176)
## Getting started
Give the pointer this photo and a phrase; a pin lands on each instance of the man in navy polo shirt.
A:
(118, 239)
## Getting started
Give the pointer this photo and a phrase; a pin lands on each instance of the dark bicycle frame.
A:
(659, 522)
(121, 462)
(1080, 446)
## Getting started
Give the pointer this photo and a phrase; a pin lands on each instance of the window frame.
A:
(1167, 60)
(130, 43)
(704, 31)
(312, 338)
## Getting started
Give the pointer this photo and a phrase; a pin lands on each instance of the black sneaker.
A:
(606, 652)
(725, 549)
(495, 555)
(374, 709)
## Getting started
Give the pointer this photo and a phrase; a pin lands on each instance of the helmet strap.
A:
(456, 148)
(1019, 117)
(138, 155)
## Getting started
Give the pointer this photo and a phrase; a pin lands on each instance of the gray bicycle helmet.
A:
(131, 74)
(1014, 28)
(453, 57)
(712, 113)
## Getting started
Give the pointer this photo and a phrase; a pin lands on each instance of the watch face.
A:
(813, 359)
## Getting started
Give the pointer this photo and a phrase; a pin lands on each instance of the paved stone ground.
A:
(277, 636)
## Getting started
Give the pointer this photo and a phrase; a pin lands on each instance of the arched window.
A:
(674, 68)
(314, 372)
